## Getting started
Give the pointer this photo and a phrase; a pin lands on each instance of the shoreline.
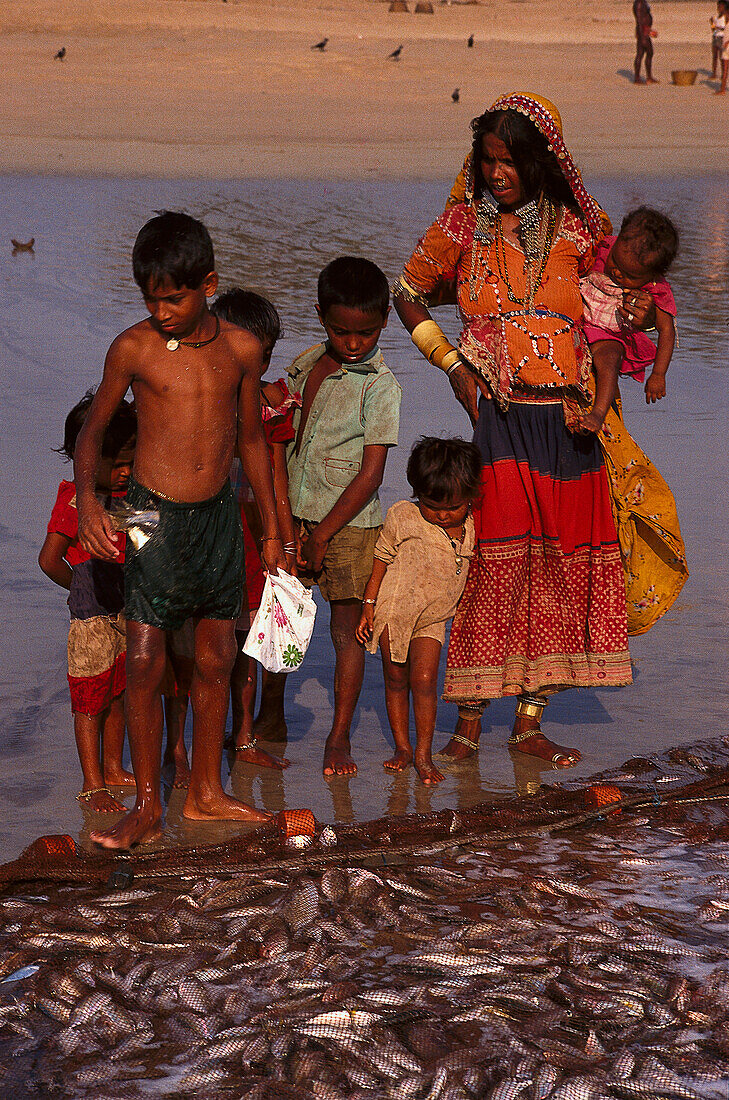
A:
(205, 89)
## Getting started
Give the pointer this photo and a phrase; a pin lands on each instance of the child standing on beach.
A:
(97, 636)
(196, 383)
(349, 418)
(418, 577)
(718, 24)
(257, 315)
(636, 259)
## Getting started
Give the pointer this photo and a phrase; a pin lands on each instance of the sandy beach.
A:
(216, 89)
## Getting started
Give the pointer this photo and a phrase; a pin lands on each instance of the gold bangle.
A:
(431, 342)
(530, 708)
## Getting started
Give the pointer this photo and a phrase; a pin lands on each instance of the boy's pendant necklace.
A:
(173, 344)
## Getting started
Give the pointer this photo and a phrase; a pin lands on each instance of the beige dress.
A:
(421, 587)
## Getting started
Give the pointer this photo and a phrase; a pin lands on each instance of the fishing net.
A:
(570, 945)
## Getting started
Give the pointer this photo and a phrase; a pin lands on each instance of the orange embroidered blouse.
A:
(513, 349)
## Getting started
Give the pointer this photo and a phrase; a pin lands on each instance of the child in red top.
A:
(97, 635)
(636, 259)
(256, 314)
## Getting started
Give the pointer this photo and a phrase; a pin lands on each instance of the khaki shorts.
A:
(347, 563)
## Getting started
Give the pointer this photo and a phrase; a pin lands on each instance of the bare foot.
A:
(136, 827)
(219, 806)
(470, 730)
(638, 80)
(100, 801)
(181, 780)
(428, 772)
(720, 92)
(271, 726)
(399, 761)
(119, 777)
(651, 80)
(538, 745)
(251, 754)
(337, 759)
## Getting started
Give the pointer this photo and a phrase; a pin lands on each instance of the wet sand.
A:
(233, 90)
(65, 304)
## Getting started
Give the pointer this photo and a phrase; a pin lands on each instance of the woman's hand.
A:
(590, 423)
(363, 633)
(638, 309)
(467, 387)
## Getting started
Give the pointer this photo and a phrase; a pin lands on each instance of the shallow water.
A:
(63, 306)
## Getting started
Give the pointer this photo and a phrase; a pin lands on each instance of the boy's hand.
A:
(655, 388)
(312, 551)
(273, 556)
(96, 531)
(363, 633)
(589, 423)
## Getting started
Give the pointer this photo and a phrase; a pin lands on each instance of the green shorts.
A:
(347, 563)
(191, 566)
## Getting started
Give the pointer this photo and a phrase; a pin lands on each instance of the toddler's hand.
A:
(363, 633)
(589, 424)
(655, 389)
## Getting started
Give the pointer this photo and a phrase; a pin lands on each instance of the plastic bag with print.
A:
(281, 630)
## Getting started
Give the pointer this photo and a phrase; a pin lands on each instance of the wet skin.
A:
(195, 406)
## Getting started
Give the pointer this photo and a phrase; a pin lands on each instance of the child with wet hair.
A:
(97, 634)
(637, 259)
(421, 563)
(258, 316)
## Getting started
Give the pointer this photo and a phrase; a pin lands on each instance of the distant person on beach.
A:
(418, 577)
(196, 383)
(717, 23)
(723, 8)
(349, 419)
(97, 635)
(636, 259)
(644, 35)
(257, 315)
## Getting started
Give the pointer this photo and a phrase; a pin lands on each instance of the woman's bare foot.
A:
(139, 826)
(219, 806)
(469, 729)
(118, 777)
(399, 761)
(251, 754)
(100, 801)
(540, 746)
(337, 758)
(428, 772)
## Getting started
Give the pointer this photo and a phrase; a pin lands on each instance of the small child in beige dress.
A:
(421, 562)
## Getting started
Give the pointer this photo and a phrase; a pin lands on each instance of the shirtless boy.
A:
(196, 384)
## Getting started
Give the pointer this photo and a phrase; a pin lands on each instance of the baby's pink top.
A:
(601, 297)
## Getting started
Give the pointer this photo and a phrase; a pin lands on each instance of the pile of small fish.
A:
(587, 967)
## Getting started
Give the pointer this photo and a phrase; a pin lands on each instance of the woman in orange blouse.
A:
(544, 605)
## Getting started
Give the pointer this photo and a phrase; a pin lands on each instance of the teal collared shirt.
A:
(356, 406)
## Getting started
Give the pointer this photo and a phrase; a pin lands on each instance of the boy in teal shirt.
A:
(349, 418)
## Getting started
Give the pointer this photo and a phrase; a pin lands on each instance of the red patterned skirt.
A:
(544, 605)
